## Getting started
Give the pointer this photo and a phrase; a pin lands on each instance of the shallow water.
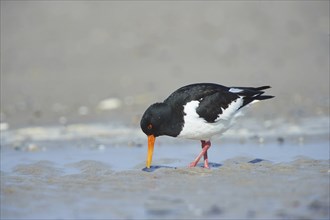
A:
(121, 158)
(98, 176)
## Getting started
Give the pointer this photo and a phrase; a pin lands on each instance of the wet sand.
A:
(100, 177)
(237, 188)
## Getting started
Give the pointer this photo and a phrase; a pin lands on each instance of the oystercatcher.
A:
(197, 111)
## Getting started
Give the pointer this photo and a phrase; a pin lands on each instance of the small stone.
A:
(109, 104)
(101, 147)
(261, 140)
(32, 148)
(280, 140)
(4, 126)
(214, 211)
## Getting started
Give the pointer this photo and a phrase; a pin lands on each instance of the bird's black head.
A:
(157, 119)
(160, 119)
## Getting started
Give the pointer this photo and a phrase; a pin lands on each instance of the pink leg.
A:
(205, 146)
(206, 160)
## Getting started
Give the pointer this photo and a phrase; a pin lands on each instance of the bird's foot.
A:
(206, 164)
(193, 164)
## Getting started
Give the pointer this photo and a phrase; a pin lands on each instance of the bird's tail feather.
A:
(252, 94)
(263, 97)
(255, 89)
(263, 87)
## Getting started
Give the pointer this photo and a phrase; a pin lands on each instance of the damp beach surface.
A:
(83, 173)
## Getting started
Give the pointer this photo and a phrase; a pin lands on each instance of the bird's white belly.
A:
(198, 128)
(203, 130)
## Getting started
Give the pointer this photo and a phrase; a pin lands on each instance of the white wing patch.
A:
(231, 110)
(235, 90)
(196, 127)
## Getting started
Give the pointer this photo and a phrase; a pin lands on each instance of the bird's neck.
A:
(174, 123)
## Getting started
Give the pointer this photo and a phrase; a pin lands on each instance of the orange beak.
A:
(151, 143)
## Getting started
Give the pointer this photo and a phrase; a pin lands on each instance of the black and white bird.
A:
(197, 111)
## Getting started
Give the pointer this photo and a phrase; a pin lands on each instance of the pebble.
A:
(101, 147)
(109, 104)
(261, 140)
(32, 147)
(4, 126)
(214, 211)
(280, 140)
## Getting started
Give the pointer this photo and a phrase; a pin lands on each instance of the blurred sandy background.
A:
(60, 59)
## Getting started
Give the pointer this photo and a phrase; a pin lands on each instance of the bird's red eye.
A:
(149, 126)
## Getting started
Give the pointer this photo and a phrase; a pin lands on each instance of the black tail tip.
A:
(263, 87)
(263, 97)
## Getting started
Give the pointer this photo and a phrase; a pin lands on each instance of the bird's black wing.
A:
(212, 98)
(210, 107)
(193, 92)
